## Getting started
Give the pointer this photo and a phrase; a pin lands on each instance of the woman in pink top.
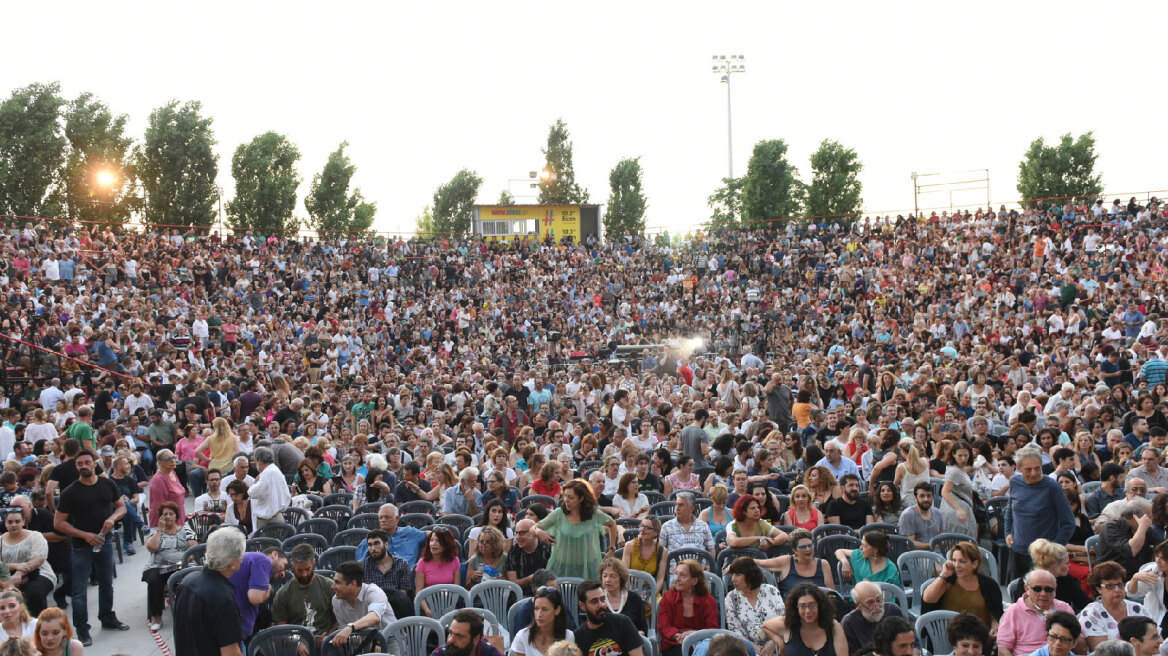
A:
(165, 486)
(439, 563)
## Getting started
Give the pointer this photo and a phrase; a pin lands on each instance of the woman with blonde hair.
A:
(803, 513)
(614, 580)
(716, 516)
(223, 445)
(1054, 558)
(913, 470)
(19, 646)
(645, 552)
(14, 617)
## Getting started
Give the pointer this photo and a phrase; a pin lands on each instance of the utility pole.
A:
(726, 67)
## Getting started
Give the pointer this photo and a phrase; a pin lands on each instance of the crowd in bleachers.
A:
(819, 438)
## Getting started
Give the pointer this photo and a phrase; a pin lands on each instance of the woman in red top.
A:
(802, 514)
(686, 607)
(548, 482)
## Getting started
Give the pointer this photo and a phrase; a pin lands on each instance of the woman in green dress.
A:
(574, 531)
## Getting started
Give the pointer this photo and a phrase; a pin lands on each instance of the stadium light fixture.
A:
(726, 67)
(106, 178)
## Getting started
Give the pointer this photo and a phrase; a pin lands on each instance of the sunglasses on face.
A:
(1042, 589)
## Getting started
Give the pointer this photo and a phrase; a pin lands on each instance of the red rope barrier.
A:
(66, 357)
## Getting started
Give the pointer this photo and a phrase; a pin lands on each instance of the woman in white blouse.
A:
(629, 499)
(750, 603)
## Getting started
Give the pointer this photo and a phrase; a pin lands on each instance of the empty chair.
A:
(916, 567)
(419, 506)
(371, 507)
(826, 546)
(415, 634)
(568, 585)
(727, 556)
(174, 583)
(259, 544)
(702, 556)
(194, 555)
(718, 591)
(284, 640)
(441, 599)
(322, 526)
(338, 513)
(662, 508)
(831, 529)
(367, 521)
(943, 543)
(296, 515)
(460, 522)
(333, 557)
(893, 593)
(548, 502)
(897, 545)
(653, 496)
(343, 498)
(1092, 545)
(878, 526)
(317, 542)
(279, 532)
(933, 629)
(202, 523)
(496, 596)
(362, 641)
(417, 520)
(350, 537)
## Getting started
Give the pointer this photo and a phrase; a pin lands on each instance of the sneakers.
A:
(115, 625)
(85, 638)
(155, 626)
(129, 549)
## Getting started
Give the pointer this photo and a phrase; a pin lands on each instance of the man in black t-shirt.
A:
(604, 633)
(849, 510)
(88, 511)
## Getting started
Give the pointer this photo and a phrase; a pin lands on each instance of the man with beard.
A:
(308, 600)
(860, 624)
(393, 575)
(604, 633)
(849, 510)
(89, 509)
(465, 637)
(919, 523)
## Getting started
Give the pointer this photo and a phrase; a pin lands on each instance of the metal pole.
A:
(729, 129)
(989, 202)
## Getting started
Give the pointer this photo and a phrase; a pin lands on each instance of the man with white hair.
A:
(466, 499)
(207, 620)
(1065, 395)
(239, 468)
(270, 494)
(860, 624)
(1038, 509)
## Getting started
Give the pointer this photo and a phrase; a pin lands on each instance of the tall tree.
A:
(626, 201)
(726, 203)
(561, 189)
(177, 166)
(506, 197)
(98, 178)
(771, 188)
(32, 150)
(330, 205)
(454, 202)
(424, 224)
(835, 184)
(1060, 172)
(265, 184)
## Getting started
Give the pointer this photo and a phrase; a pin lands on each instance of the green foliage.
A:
(177, 166)
(265, 184)
(32, 150)
(726, 203)
(835, 184)
(626, 202)
(1062, 171)
(330, 205)
(771, 188)
(506, 197)
(454, 202)
(424, 224)
(97, 143)
(562, 188)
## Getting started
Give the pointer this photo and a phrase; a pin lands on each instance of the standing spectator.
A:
(253, 582)
(270, 495)
(89, 509)
(1038, 509)
(572, 530)
(165, 487)
(207, 620)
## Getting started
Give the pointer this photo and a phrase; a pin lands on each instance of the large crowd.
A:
(941, 433)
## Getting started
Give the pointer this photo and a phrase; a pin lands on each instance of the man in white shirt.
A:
(358, 605)
(214, 501)
(270, 494)
(238, 473)
(138, 401)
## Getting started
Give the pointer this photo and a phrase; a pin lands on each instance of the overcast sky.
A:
(423, 89)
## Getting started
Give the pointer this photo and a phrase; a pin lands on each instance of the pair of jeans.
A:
(85, 560)
(130, 523)
(196, 478)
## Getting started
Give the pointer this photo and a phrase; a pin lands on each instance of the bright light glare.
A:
(545, 174)
(106, 178)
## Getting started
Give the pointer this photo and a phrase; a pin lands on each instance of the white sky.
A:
(423, 89)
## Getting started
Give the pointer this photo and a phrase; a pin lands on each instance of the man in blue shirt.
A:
(405, 542)
(1038, 509)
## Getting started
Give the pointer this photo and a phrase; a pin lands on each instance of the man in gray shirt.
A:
(695, 441)
(778, 398)
(919, 523)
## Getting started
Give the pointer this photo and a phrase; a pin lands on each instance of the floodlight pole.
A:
(726, 67)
